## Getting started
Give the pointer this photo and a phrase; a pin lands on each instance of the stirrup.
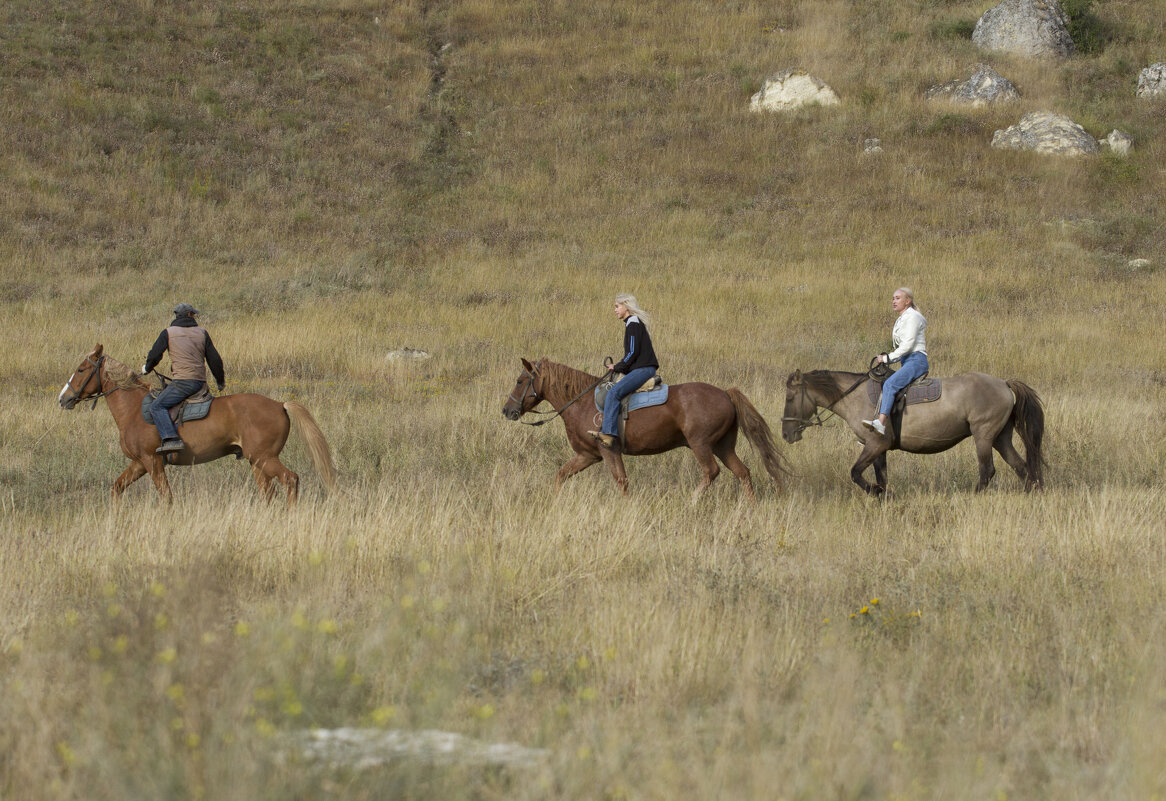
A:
(171, 446)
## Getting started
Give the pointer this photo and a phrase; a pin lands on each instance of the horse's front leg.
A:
(870, 453)
(157, 470)
(615, 464)
(880, 471)
(579, 462)
(128, 476)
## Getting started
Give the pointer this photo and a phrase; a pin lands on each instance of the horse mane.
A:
(822, 382)
(121, 376)
(572, 380)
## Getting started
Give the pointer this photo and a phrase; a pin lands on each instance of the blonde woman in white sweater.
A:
(910, 348)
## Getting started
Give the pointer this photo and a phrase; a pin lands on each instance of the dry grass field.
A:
(331, 181)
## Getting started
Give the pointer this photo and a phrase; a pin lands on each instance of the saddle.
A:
(196, 407)
(653, 392)
(921, 390)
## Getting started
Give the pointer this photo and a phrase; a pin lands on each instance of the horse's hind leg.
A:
(128, 476)
(987, 467)
(728, 454)
(1003, 445)
(266, 470)
(704, 455)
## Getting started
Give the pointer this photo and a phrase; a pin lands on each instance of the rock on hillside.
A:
(1032, 28)
(986, 87)
(1046, 132)
(792, 89)
(1152, 81)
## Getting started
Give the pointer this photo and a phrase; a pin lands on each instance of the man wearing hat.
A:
(189, 345)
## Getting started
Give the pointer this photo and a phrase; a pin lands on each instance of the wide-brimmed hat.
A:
(185, 308)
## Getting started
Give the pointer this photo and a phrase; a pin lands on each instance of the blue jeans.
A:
(914, 365)
(624, 387)
(175, 393)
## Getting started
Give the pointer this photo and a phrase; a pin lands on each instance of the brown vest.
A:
(187, 352)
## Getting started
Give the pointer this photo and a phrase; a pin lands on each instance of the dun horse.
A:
(702, 417)
(246, 426)
(976, 405)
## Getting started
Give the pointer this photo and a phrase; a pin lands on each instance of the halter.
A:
(76, 396)
(533, 393)
(815, 418)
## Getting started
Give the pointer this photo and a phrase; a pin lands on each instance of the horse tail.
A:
(307, 428)
(757, 431)
(1028, 417)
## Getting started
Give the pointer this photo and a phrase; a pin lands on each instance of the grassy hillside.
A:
(333, 181)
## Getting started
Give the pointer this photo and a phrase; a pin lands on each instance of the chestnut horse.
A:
(703, 417)
(983, 407)
(246, 426)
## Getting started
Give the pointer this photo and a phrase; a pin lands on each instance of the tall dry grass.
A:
(331, 182)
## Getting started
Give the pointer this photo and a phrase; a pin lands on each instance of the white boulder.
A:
(790, 90)
(1152, 81)
(1046, 132)
(1118, 142)
(1032, 28)
(985, 87)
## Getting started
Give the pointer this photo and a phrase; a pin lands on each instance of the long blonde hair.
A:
(634, 307)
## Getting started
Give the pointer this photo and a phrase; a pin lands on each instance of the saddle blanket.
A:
(193, 408)
(654, 397)
(923, 391)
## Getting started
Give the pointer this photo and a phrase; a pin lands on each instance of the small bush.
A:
(952, 29)
(1090, 33)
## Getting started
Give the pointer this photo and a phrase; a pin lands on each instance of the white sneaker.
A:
(876, 426)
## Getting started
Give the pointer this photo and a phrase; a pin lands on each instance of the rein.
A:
(555, 413)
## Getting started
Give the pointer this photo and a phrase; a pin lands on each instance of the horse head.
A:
(85, 382)
(527, 392)
(799, 408)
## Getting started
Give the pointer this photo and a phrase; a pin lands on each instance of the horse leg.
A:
(987, 467)
(880, 470)
(1003, 445)
(578, 463)
(727, 454)
(266, 470)
(157, 470)
(704, 455)
(128, 476)
(615, 464)
(871, 452)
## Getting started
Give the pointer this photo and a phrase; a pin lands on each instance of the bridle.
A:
(101, 393)
(531, 392)
(815, 419)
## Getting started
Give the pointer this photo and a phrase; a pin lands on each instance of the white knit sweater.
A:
(907, 336)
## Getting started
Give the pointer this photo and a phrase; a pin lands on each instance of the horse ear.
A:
(794, 377)
(529, 367)
(97, 350)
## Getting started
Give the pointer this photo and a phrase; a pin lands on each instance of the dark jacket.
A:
(637, 346)
(213, 360)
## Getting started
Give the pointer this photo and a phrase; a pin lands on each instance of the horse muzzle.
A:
(511, 414)
(791, 436)
(67, 403)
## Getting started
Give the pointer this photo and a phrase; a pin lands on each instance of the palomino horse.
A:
(975, 405)
(701, 416)
(246, 426)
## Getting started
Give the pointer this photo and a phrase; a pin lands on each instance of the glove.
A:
(882, 358)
